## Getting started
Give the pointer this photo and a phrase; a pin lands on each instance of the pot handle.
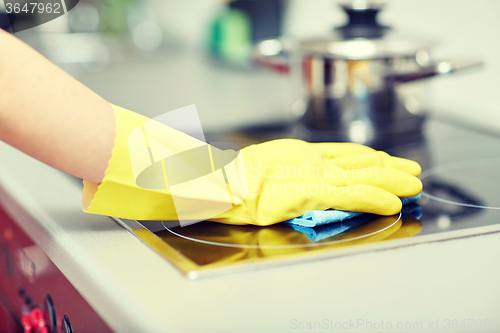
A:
(439, 68)
(279, 64)
(271, 54)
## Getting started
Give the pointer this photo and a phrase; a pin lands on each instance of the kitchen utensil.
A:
(354, 79)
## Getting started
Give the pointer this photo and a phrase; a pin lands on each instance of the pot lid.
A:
(363, 37)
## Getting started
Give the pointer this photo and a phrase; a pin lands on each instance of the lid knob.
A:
(362, 20)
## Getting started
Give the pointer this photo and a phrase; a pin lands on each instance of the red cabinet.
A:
(28, 276)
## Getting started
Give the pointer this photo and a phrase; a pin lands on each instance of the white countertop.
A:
(134, 289)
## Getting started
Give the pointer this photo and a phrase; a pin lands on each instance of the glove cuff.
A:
(159, 173)
(118, 194)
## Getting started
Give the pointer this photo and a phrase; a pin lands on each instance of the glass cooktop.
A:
(461, 198)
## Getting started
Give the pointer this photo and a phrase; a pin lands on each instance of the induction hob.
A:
(461, 198)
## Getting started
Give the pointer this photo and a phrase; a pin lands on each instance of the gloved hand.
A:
(150, 177)
(287, 178)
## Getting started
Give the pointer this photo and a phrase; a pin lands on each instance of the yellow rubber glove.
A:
(287, 178)
(263, 185)
(147, 173)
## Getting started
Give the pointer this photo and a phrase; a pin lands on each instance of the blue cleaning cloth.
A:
(411, 210)
(316, 218)
(331, 229)
(328, 230)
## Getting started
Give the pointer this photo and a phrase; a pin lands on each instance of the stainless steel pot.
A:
(352, 79)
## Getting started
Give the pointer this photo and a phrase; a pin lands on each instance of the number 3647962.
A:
(471, 324)
(32, 8)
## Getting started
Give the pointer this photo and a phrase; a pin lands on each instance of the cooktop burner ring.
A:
(459, 166)
(287, 246)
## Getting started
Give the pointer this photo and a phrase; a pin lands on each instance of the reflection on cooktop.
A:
(461, 197)
(210, 244)
(478, 176)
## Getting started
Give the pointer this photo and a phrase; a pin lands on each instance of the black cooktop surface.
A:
(461, 197)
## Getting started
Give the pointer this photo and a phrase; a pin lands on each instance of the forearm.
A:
(50, 116)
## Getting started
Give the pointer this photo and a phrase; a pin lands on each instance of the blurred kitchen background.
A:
(153, 56)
